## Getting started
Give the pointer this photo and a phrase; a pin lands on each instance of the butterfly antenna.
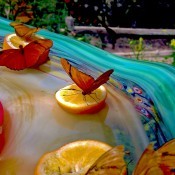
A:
(84, 98)
(95, 96)
(71, 89)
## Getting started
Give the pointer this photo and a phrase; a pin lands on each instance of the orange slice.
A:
(72, 99)
(12, 41)
(74, 158)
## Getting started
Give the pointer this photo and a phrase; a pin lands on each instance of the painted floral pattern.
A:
(151, 120)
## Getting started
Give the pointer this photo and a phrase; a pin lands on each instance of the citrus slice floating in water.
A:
(74, 158)
(72, 99)
(12, 41)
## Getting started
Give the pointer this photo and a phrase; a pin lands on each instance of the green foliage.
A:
(137, 46)
(6, 8)
(171, 57)
(49, 14)
(90, 39)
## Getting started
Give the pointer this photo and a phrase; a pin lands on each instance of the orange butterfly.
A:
(32, 55)
(23, 31)
(159, 162)
(24, 18)
(85, 82)
(110, 163)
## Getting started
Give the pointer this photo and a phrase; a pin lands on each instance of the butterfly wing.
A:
(23, 31)
(110, 163)
(82, 80)
(34, 53)
(13, 59)
(167, 152)
(100, 80)
(23, 18)
(47, 44)
(161, 161)
(42, 59)
(146, 157)
(37, 52)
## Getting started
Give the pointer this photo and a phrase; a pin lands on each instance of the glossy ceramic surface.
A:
(140, 106)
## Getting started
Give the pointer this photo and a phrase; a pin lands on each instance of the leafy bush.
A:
(171, 57)
(137, 46)
(49, 14)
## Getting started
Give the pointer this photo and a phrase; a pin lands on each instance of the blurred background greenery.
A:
(49, 14)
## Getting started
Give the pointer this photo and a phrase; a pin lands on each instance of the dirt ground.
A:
(122, 44)
(153, 49)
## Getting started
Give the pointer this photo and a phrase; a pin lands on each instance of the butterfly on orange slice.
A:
(87, 95)
(32, 55)
(23, 35)
(84, 81)
(72, 100)
(90, 157)
(83, 157)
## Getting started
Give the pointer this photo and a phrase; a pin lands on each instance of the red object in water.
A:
(32, 55)
(2, 140)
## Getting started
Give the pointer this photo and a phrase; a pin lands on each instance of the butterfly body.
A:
(84, 81)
